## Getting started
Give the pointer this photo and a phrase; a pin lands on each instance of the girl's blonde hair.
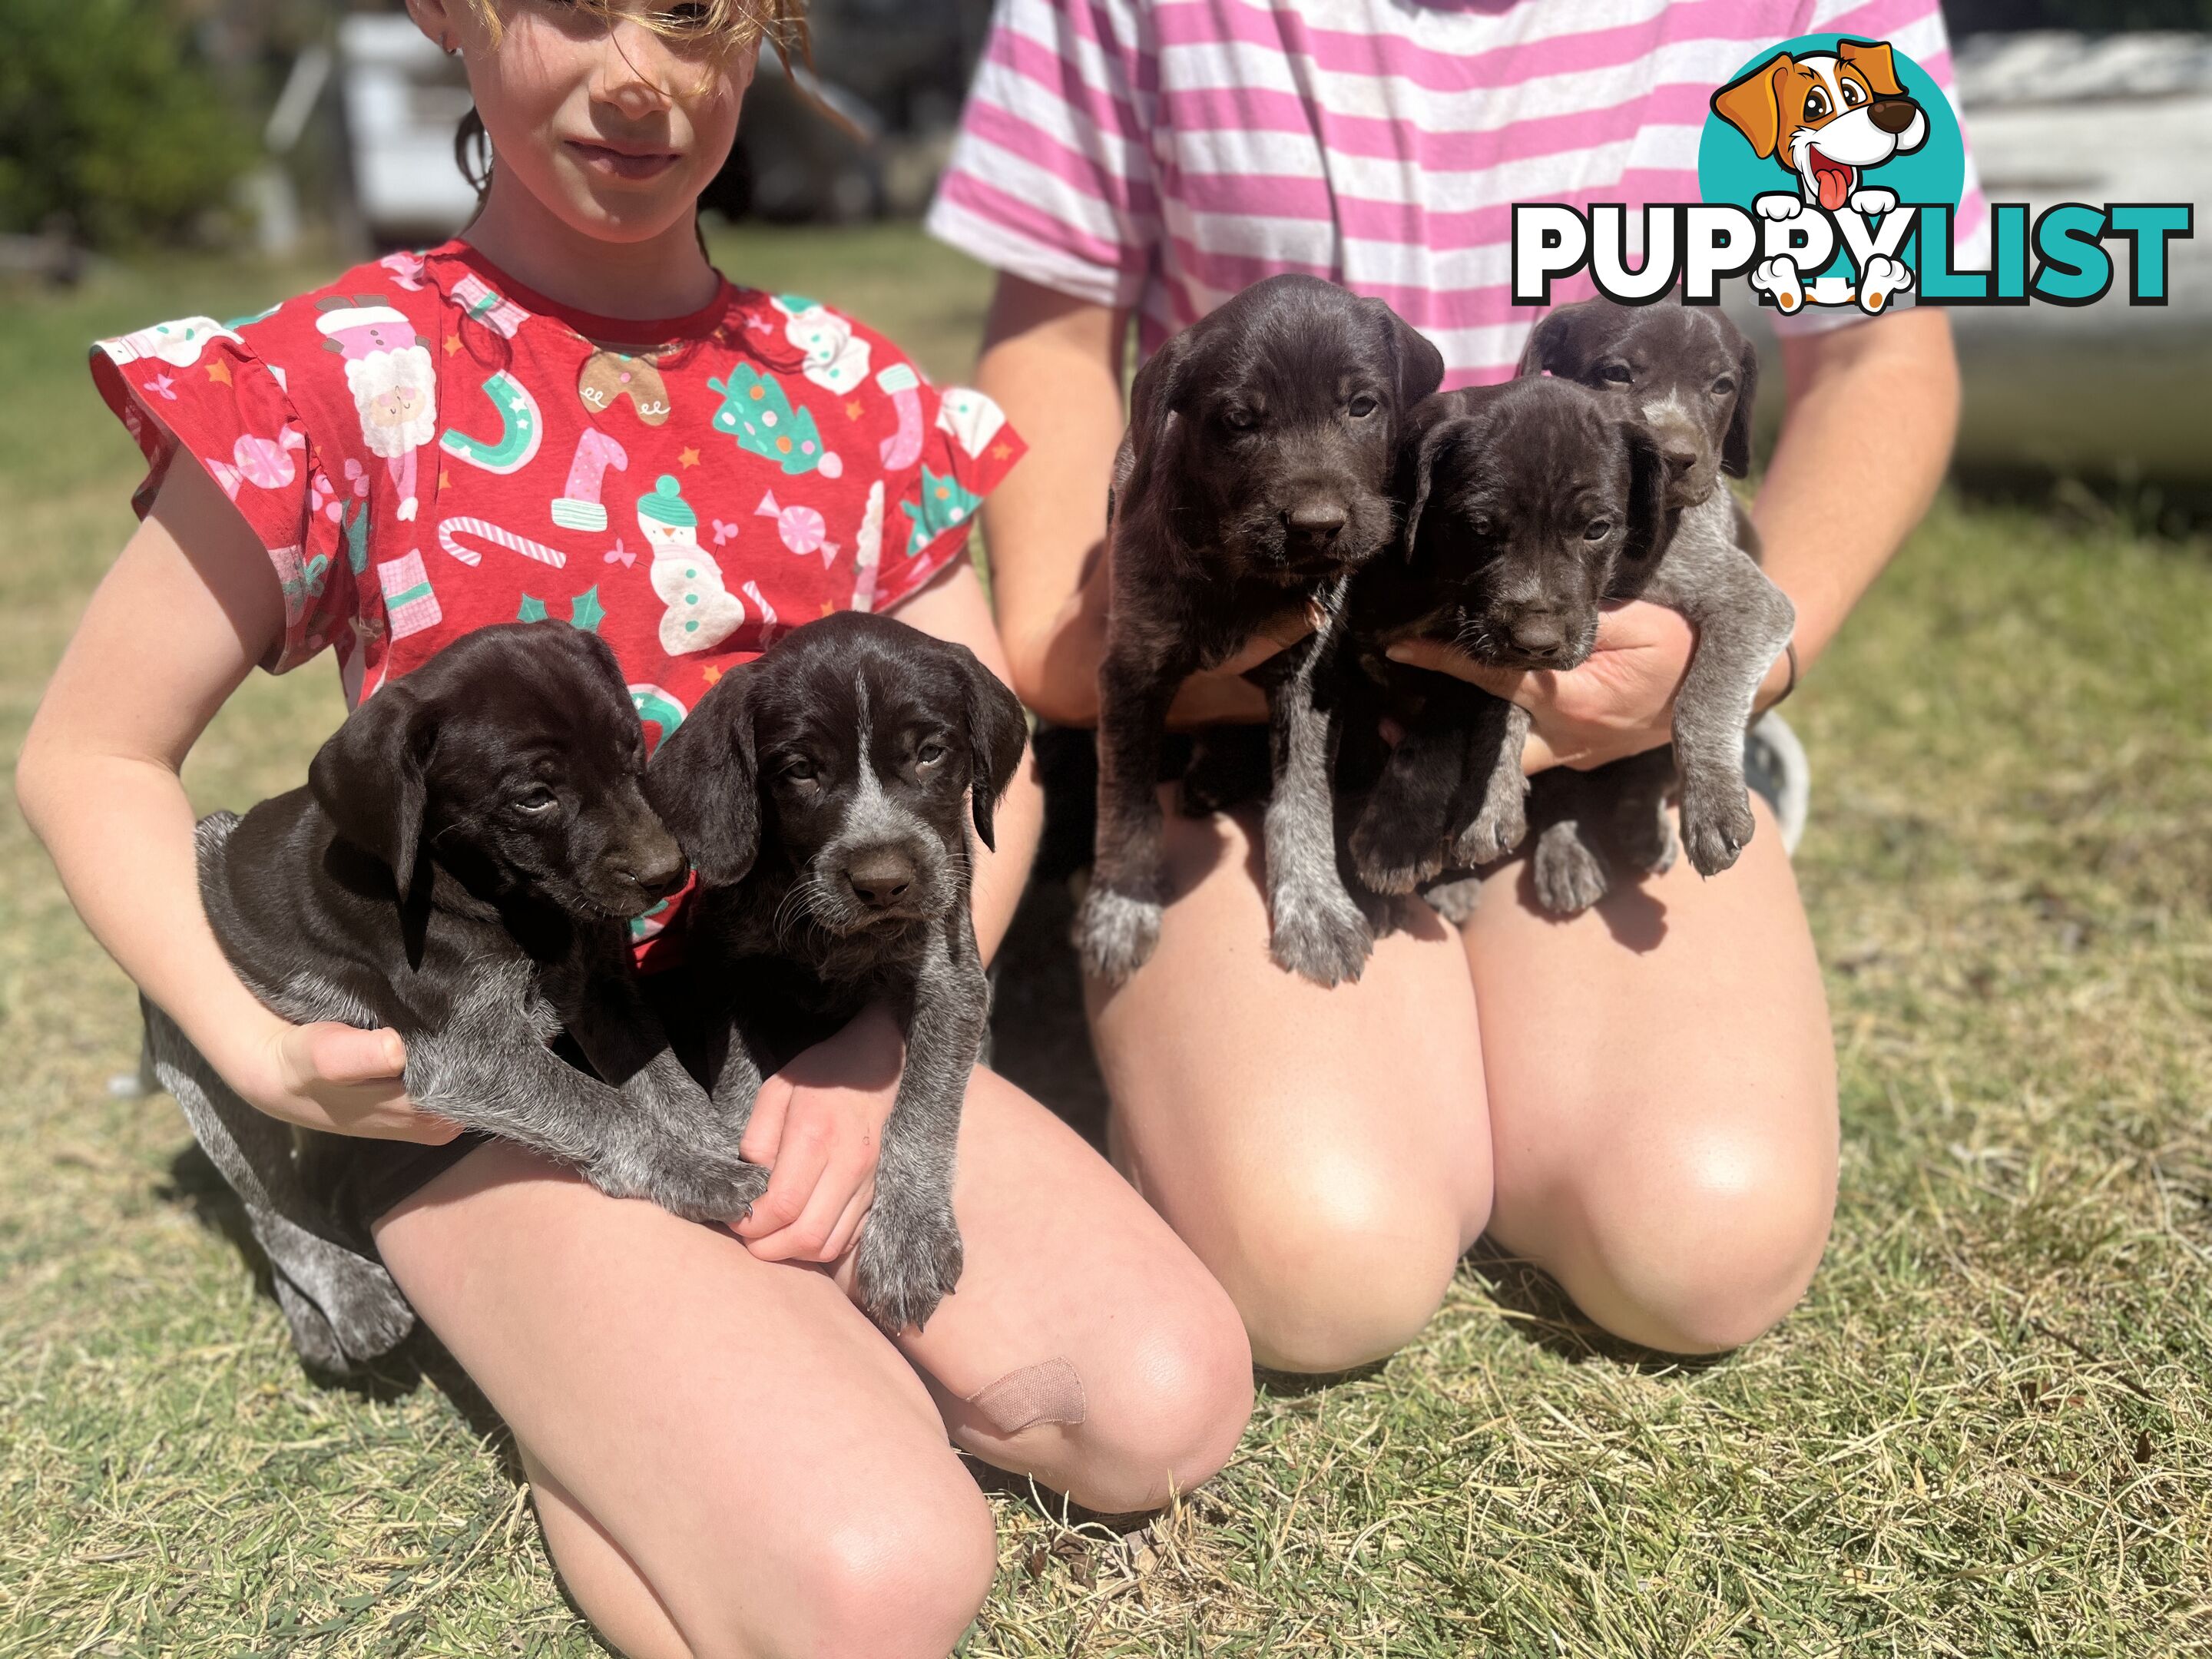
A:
(720, 29)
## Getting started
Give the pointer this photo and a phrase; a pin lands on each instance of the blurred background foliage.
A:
(114, 127)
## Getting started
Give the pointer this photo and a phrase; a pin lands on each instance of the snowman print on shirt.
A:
(701, 612)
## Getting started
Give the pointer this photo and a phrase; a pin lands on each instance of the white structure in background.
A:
(403, 98)
(2109, 388)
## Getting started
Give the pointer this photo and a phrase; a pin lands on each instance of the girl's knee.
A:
(1708, 1259)
(894, 1570)
(1343, 1265)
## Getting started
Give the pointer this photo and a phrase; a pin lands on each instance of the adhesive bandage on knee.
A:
(1048, 1392)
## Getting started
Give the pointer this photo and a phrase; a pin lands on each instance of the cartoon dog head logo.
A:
(1828, 118)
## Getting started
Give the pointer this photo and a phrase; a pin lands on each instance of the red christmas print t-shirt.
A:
(425, 447)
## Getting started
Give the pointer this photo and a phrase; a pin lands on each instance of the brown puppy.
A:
(1256, 477)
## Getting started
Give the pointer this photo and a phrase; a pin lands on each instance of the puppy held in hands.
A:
(1689, 377)
(1254, 478)
(823, 793)
(460, 867)
(1529, 505)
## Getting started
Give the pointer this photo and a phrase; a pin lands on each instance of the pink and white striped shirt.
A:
(1160, 154)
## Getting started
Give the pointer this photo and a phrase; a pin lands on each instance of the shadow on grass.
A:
(195, 1183)
(1540, 1312)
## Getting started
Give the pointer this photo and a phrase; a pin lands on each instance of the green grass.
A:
(1986, 1431)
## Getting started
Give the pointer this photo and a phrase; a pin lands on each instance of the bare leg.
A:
(1325, 1152)
(1662, 1097)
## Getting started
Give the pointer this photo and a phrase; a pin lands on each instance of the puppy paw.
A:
(1883, 279)
(1568, 877)
(1498, 828)
(361, 1315)
(1116, 934)
(1454, 901)
(1716, 823)
(1391, 856)
(1778, 277)
(1644, 828)
(1870, 199)
(1778, 204)
(910, 1261)
(1323, 937)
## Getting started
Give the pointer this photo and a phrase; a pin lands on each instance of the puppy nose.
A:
(880, 876)
(1892, 114)
(658, 871)
(1680, 454)
(1538, 633)
(1316, 521)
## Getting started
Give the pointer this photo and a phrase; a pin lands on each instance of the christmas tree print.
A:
(945, 504)
(756, 413)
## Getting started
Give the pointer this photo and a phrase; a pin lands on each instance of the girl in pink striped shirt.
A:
(1641, 1100)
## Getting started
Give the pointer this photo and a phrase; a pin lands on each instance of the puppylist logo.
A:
(1832, 170)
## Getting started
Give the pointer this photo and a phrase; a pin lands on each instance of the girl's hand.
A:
(1223, 696)
(339, 1079)
(819, 1125)
(1620, 702)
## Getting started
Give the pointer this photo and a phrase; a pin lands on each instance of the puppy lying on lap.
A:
(461, 867)
(1254, 478)
(823, 793)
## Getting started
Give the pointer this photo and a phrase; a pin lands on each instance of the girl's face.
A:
(614, 128)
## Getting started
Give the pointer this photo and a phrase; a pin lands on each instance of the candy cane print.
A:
(489, 307)
(521, 427)
(751, 591)
(578, 505)
(656, 708)
(450, 532)
(903, 386)
(868, 548)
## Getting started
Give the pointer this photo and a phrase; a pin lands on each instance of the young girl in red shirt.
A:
(567, 414)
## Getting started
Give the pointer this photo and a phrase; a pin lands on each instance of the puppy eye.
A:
(1361, 407)
(1239, 420)
(1620, 374)
(1722, 386)
(1852, 95)
(1484, 525)
(1597, 529)
(929, 753)
(540, 800)
(1816, 105)
(797, 768)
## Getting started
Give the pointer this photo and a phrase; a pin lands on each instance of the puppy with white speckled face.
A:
(823, 793)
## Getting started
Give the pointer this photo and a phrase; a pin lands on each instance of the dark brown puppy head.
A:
(1529, 501)
(514, 757)
(1264, 434)
(1685, 371)
(848, 755)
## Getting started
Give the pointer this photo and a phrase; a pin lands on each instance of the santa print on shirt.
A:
(424, 447)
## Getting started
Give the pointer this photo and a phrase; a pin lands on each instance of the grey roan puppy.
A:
(1256, 477)
(460, 867)
(1691, 377)
(823, 793)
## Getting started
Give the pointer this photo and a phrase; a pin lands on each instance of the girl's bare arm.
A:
(187, 610)
(1054, 365)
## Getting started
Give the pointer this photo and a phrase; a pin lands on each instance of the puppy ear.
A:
(1547, 342)
(1432, 449)
(1419, 365)
(1874, 60)
(704, 782)
(1647, 491)
(1736, 445)
(369, 778)
(1152, 398)
(1753, 105)
(998, 734)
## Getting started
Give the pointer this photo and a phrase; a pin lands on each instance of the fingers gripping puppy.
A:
(823, 792)
(1690, 378)
(1255, 476)
(460, 867)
